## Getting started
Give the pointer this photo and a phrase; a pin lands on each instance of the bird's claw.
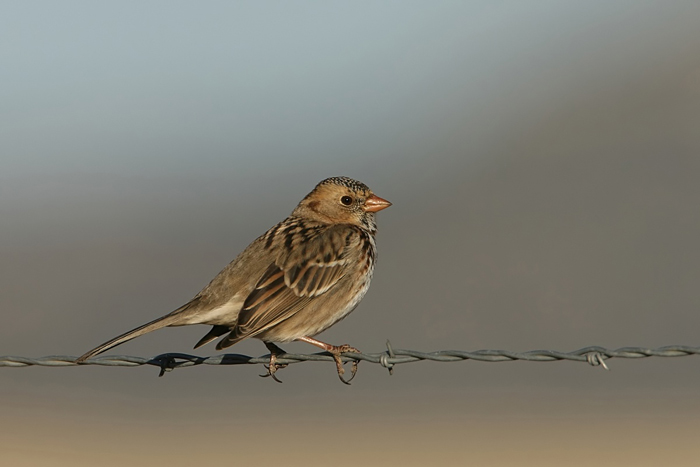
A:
(335, 352)
(272, 369)
(273, 366)
(353, 372)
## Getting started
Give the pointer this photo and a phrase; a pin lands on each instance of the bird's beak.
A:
(374, 204)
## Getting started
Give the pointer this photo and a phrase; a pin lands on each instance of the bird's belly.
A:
(225, 315)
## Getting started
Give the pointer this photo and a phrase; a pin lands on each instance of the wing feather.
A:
(294, 279)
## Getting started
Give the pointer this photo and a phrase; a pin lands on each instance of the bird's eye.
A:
(346, 200)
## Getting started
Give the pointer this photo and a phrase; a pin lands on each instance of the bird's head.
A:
(342, 200)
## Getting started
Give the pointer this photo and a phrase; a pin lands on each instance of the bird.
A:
(293, 282)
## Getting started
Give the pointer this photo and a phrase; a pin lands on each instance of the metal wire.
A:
(593, 355)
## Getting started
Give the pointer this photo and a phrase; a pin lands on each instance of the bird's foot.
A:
(335, 351)
(273, 366)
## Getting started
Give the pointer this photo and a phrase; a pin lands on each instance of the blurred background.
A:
(543, 159)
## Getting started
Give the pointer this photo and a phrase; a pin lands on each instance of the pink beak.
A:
(374, 204)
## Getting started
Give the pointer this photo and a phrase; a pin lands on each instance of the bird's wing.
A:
(296, 277)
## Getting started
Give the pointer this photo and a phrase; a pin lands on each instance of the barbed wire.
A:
(593, 355)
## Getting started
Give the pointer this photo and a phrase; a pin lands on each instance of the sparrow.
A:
(293, 282)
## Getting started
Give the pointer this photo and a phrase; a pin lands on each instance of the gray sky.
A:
(543, 160)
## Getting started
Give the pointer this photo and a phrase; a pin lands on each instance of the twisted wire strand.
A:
(593, 355)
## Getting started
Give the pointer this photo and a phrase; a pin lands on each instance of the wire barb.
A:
(597, 358)
(384, 358)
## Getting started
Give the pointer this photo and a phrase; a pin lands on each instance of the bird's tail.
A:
(163, 321)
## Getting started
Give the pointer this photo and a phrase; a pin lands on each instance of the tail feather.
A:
(214, 333)
(161, 322)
